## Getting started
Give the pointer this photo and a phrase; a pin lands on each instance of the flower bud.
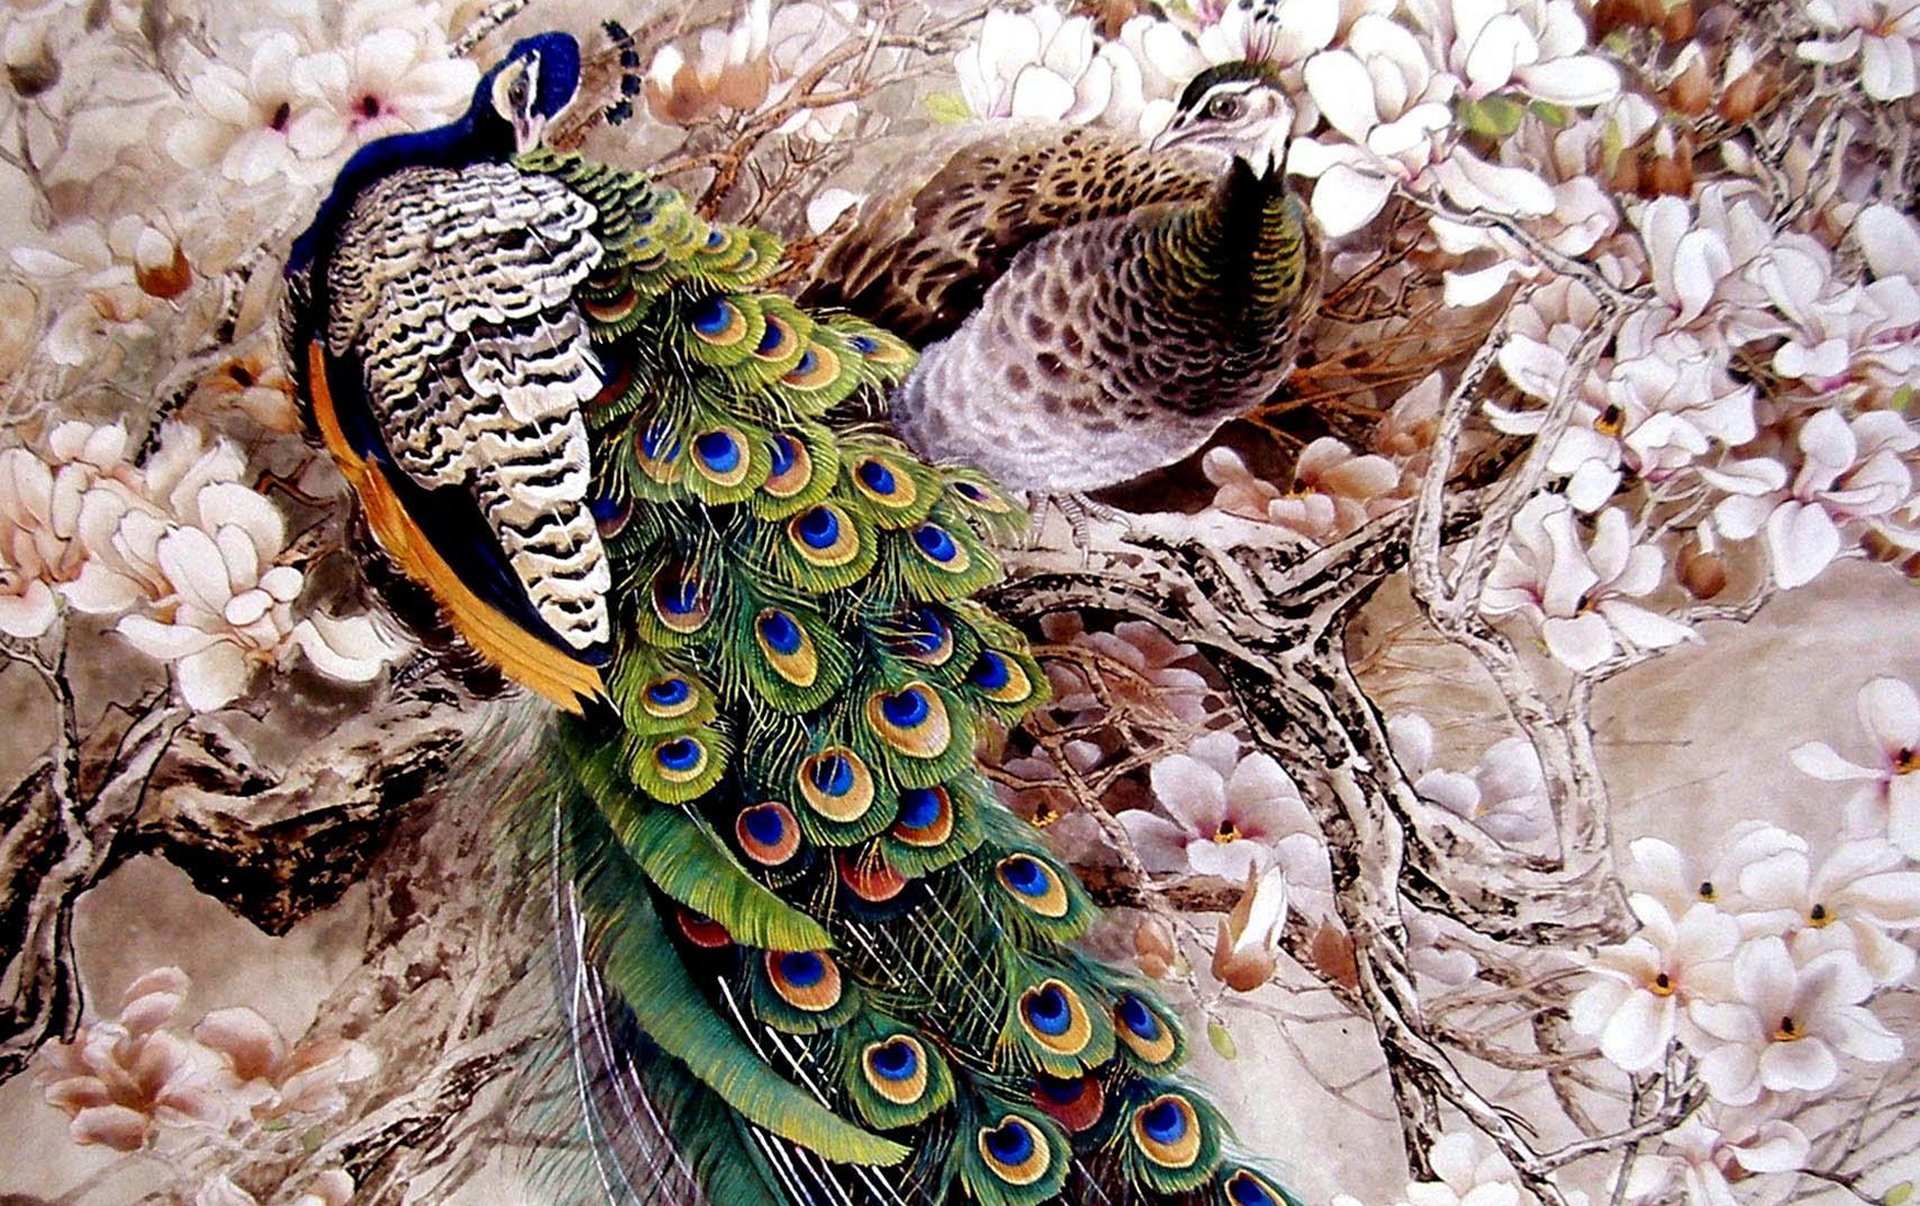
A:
(1703, 574)
(160, 266)
(1153, 943)
(1677, 24)
(1692, 90)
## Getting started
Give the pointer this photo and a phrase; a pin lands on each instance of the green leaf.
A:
(1903, 397)
(1552, 114)
(949, 108)
(1897, 1195)
(1494, 116)
(1222, 1039)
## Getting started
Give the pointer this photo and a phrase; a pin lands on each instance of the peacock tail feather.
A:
(823, 964)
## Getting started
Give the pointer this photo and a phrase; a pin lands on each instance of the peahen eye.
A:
(1225, 108)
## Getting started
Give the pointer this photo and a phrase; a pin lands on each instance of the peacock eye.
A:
(517, 94)
(1225, 108)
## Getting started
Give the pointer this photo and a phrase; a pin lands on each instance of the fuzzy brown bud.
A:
(1745, 96)
(1692, 90)
(1677, 24)
(1153, 944)
(1704, 574)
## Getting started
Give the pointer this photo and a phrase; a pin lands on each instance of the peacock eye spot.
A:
(1010, 1143)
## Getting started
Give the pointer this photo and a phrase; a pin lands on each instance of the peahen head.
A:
(527, 89)
(1240, 110)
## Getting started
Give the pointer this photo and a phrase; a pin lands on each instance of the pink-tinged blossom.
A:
(276, 1080)
(1843, 339)
(1888, 800)
(122, 1080)
(1660, 870)
(1039, 795)
(1392, 113)
(1534, 46)
(1665, 401)
(1335, 490)
(1041, 63)
(1699, 257)
(1147, 672)
(1645, 986)
(388, 81)
(1850, 902)
(1882, 33)
(1578, 596)
(1787, 1026)
(262, 123)
(1711, 1155)
(1850, 471)
(1505, 795)
(1229, 808)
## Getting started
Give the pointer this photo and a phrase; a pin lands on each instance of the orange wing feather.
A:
(524, 657)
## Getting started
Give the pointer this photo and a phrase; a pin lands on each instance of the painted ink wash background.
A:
(1675, 231)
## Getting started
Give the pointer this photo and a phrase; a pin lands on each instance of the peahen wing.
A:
(919, 260)
(450, 375)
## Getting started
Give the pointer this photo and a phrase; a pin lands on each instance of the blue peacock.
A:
(817, 961)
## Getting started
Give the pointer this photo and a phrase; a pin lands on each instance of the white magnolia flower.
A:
(1850, 470)
(1881, 32)
(1039, 63)
(1578, 596)
(1699, 257)
(263, 122)
(1664, 402)
(1534, 45)
(1335, 490)
(1506, 795)
(1647, 984)
(1859, 893)
(1711, 1154)
(1381, 94)
(1661, 871)
(1790, 1024)
(1233, 812)
(1889, 799)
(390, 81)
(1842, 338)
(1149, 671)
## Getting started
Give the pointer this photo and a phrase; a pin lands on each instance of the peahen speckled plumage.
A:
(816, 961)
(1096, 308)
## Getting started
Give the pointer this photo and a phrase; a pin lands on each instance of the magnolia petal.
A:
(1344, 199)
(214, 677)
(1803, 540)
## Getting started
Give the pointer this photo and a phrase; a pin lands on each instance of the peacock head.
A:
(1238, 109)
(530, 87)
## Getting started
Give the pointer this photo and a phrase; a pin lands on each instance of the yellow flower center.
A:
(1787, 1031)
(1906, 762)
(1611, 421)
(1226, 833)
(1708, 892)
(1818, 917)
(1661, 985)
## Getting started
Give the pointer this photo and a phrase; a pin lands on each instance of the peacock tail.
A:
(825, 965)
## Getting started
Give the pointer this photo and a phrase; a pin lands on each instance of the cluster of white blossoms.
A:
(193, 561)
(1761, 967)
